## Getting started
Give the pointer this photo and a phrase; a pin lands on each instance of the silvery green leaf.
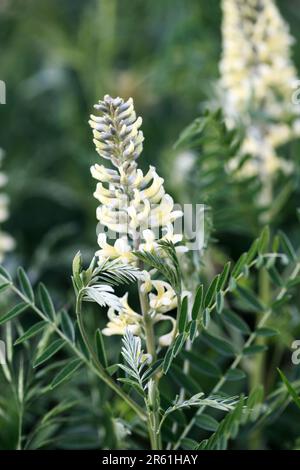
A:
(102, 295)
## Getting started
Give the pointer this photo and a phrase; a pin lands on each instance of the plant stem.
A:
(153, 417)
(257, 376)
(153, 414)
(20, 423)
(148, 324)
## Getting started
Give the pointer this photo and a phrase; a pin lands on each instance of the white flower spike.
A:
(257, 81)
(135, 207)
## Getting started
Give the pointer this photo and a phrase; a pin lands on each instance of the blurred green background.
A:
(58, 57)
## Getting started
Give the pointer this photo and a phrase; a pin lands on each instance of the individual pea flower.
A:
(135, 207)
(7, 243)
(163, 299)
(257, 81)
(120, 250)
(123, 318)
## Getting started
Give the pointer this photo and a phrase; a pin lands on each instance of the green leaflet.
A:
(263, 240)
(32, 331)
(252, 251)
(25, 285)
(46, 302)
(197, 303)
(183, 315)
(5, 274)
(66, 373)
(236, 321)
(193, 330)
(227, 429)
(267, 332)
(50, 350)
(220, 301)
(220, 345)
(207, 422)
(168, 360)
(206, 318)
(14, 312)
(184, 380)
(211, 292)
(234, 375)
(250, 299)
(287, 247)
(239, 266)
(256, 349)
(67, 325)
(223, 276)
(4, 286)
(290, 388)
(178, 344)
(151, 371)
(203, 365)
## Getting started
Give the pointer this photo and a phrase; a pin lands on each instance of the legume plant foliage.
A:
(136, 341)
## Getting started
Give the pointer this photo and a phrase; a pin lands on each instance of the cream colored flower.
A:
(166, 339)
(257, 79)
(136, 207)
(3, 207)
(131, 203)
(120, 250)
(169, 235)
(163, 299)
(7, 243)
(122, 319)
(150, 241)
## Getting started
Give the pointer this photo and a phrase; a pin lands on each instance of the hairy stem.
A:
(259, 362)
(153, 416)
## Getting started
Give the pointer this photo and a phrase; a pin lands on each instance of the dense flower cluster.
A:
(6, 241)
(133, 206)
(257, 80)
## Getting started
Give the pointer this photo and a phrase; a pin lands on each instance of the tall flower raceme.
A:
(257, 80)
(6, 241)
(135, 207)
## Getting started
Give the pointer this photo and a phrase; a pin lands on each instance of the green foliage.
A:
(216, 321)
(210, 180)
(292, 392)
(242, 313)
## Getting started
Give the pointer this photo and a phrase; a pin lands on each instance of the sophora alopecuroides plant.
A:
(170, 402)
